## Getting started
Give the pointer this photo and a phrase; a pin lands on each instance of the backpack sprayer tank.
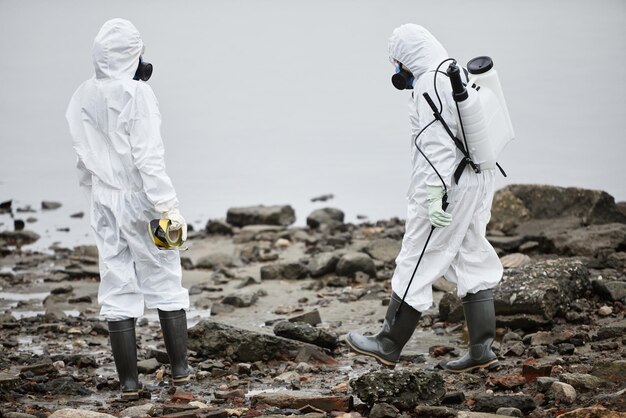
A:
(482, 112)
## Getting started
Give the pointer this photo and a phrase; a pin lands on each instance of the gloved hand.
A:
(438, 217)
(178, 222)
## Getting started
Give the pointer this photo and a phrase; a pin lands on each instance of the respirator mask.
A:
(402, 79)
(144, 70)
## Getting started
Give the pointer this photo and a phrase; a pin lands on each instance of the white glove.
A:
(178, 222)
(438, 217)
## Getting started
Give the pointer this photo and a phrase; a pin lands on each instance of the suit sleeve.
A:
(148, 151)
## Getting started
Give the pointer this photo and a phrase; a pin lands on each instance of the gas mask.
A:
(402, 79)
(144, 70)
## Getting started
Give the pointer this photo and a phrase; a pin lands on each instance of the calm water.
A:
(279, 101)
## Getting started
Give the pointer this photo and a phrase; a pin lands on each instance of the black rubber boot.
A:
(124, 346)
(480, 317)
(174, 326)
(387, 345)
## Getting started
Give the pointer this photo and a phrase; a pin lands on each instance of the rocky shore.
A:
(272, 303)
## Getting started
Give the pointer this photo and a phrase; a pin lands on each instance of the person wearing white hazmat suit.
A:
(457, 248)
(115, 125)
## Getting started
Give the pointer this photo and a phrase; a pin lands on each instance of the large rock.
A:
(384, 249)
(18, 238)
(545, 288)
(613, 371)
(301, 331)
(517, 204)
(590, 240)
(289, 271)
(326, 216)
(593, 412)
(298, 399)
(582, 381)
(268, 215)
(215, 260)
(323, 263)
(213, 340)
(612, 290)
(78, 413)
(351, 263)
(404, 389)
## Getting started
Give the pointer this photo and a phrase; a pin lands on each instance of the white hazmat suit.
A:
(459, 252)
(115, 126)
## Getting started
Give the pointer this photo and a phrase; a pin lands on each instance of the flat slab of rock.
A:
(298, 399)
(214, 340)
(254, 215)
(404, 389)
(593, 412)
(590, 240)
(516, 204)
(545, 288)
(8, 381)
(78, 413)
(487, 403)
(301, 331)
(18, 238)
(613, 371)
(384, 249)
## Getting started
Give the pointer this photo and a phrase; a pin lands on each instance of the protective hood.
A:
(116, 50)
(416, 48)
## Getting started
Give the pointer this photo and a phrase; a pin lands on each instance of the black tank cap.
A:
(479, 65)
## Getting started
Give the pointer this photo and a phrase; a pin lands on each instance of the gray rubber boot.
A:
(480, 317)
(124, 347)
(174, 327)
(387, 345)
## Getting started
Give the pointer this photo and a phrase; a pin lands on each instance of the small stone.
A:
(62, 290)
(566, 348)
(453, 398)
(383, 410)
(510, 412)
(350, 263)
(282, 243)
(241, 300)
(312, 318)
(78, 413)
(49, 205)
(544, 383)
(148, 366)
(140, 411)
(77, 215)
(562, 393)
(605, 311)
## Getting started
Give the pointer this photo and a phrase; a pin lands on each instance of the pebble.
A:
(562, 392)
(605, 311)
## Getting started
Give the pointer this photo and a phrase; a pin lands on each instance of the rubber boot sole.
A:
(130, 396)
(490, 365)
(367, 353)
(181, 381)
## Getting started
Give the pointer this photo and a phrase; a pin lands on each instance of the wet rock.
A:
(510, 412)
(300, 399)
(351, 263)
(218, 227)
(488, 403)
(66, 386)
(615, 401)
(453, 398)
(312, 318)
(139, 411)
(18, 238)
(566, 349)
(612, 330)
(323, 263)
(384, 249)
(581, 381)
(404, 389)
(77, 215)
(330, 217)
(544, 383)
(562, 393)
(612, 290)
(39, 369)
(17, 415)
(148, 366)
(301, 331)
(215, 260)
(241, 300)
(8, 381)
(322, 198)
(545, 288)
(531, 370)
(383, 410)
(48, 205)
(266, 215)
(5, 207)
(613, 371)
(62, 289)
(590, 240)
(518, 204)
(213, 340)
(451, 308)
(605, 310)
(592, 412)
(525, 322)
(423, 411)
(78, 413)
(18, 225)
(288, 271)
(514, 349)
